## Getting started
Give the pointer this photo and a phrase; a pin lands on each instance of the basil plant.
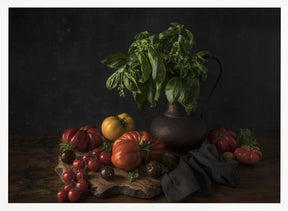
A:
(160, 65)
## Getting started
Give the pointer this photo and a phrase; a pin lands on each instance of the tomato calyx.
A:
(122, 121)
(144, 148)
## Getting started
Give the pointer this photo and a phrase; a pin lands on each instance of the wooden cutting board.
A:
(145, 187)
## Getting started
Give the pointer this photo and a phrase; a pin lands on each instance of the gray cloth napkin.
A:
(197, 170)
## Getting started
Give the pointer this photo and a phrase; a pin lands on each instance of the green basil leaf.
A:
(154, 62)
(145, 67)
(173, 89)
(151, 94)
(130, 83)
(115, 61)
(113, 80)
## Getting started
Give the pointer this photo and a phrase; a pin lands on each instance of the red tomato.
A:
(68, 176)
(69, 185)
(62, 195)
(105, 158)
(86, 157)
(224, 140)
(73, 195)
(151, 148)
(248, 155)
(96, 152)
(94, 165)
(82, 186)
(78, 164)
(81, 174)
(84, 139)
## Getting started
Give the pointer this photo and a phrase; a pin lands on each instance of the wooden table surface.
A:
(32, 178)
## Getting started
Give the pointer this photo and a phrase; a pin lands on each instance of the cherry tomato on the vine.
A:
(81, 174)
(69, 185)
(105, 158)
(94, 165)
(62, 195)
(82, 186)
(74, 195)
(68, 176)
(78, 164)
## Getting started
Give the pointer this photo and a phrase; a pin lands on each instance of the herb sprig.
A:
(160, 64)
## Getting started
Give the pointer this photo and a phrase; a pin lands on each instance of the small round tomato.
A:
(68, 156)
(81, 174)
(107, 173)
(74, 195)
(69, 185)
(78, 164)
(86, 157)
(114, 126)
(96, 152)
(68, 176)
(62, 195)
(94, 165)
(105, 158)
(154, 169)
(82, 186)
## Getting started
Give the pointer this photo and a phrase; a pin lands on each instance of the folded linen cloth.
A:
(197, 170)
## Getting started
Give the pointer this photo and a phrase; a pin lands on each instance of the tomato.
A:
(68, 156)
(228, 155)
(94, 165)
(153, 169)
(114, 126)
(248, 155)
(73, 195)
(126, 154)
(78, 164)
(151, 148)
(105, 158)
(69, 185)
(84, 139)
(81, 174)
(224, 140)
(82, 186)
(68, 176)
(107, 173)
(62, 195)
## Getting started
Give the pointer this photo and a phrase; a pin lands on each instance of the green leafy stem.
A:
(160, 65)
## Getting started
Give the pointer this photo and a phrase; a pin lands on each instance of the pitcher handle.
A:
(214, 85)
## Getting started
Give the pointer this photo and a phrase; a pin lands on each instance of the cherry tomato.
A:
(69, 185)
(107, 173)
(62, 195)
(96, 152)
(82, 186)
(68, 176)
(81, 174)
(68, 156)
(78, 164)
(154, 169)
(94, 165)
(73, 195)
(86, 157)
(105, 158)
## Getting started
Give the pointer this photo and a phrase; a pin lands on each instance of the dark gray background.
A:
(56, 80)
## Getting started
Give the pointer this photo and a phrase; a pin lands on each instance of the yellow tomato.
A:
(228, 155)
(114, 126)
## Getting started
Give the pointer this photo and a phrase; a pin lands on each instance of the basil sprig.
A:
(160, 64)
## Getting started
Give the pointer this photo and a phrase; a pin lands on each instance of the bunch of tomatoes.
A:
(242, 147)
(118, 146)
(76, 179)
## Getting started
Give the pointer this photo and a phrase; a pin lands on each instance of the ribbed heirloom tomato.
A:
(132, 147)
(248, 155)
(114, 126)
(84, 139)
(224, 140)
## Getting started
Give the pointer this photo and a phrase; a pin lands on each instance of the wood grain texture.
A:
(145, 187)
(32, 178)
